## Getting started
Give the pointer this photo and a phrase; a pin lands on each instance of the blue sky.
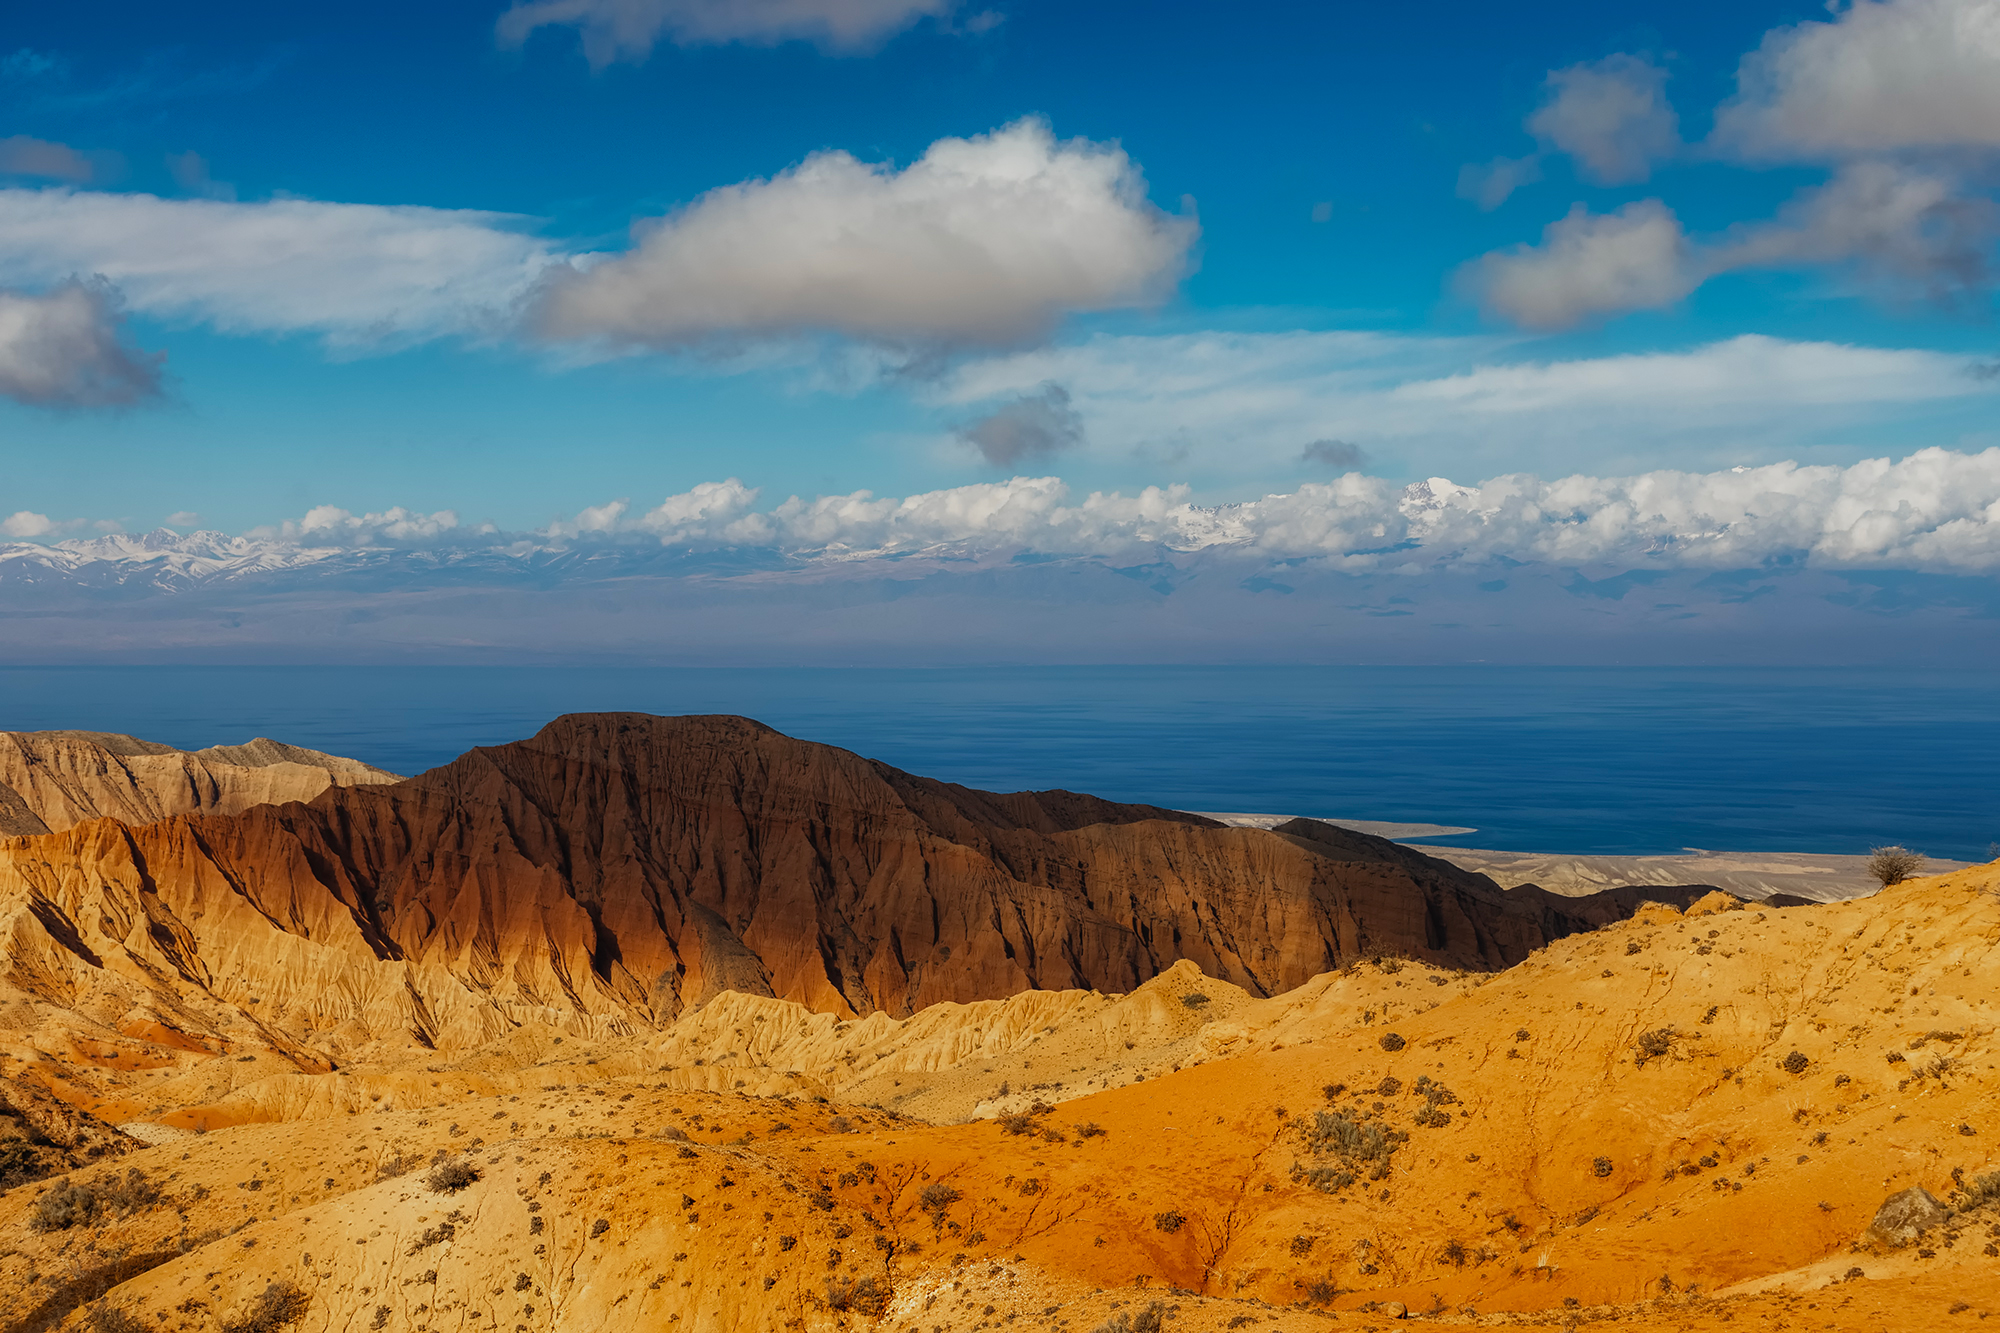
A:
(1305, 266)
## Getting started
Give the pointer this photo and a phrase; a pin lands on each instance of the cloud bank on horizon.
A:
(1935, 511)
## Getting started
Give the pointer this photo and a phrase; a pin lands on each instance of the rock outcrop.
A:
(620, 868)
(1905, 1216)
(53, 780)
(41, 1134)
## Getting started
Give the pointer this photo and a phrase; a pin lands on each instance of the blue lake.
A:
(1606, 760)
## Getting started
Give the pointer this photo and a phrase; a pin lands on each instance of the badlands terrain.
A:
(684, 1024)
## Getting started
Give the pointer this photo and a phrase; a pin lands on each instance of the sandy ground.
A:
(1684, 1121)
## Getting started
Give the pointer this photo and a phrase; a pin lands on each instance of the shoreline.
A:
(1816, 876)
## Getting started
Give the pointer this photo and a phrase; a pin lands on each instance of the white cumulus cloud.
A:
(1612, 116)
(1901, 98)
(981, 241)
(1908, 230)
(1911, 228)
(1587, 266)
(330, 525)
(354, 273)
(1881, 76)
(628, 29)
(25, 524)
(66, 349)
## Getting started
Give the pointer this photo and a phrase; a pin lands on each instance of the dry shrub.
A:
(69, 1203)
(1359, 1144)
(1979, 1192)
(1652, 1045)
(280, 1304)
(1152, 1319)
(1169, 1222)
(451, 1177)
(1322, 1291)
(1894, 864)
(436, 1235)
(863, 1296)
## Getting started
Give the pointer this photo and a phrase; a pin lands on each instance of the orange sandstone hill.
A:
(51, 780)
(1706, 1121)
(617, 869)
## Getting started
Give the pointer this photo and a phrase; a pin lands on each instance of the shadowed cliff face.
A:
(618, 868)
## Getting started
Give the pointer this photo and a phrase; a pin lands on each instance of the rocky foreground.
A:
(1676, 1117)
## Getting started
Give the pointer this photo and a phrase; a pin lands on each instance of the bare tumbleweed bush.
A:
(1894, 864)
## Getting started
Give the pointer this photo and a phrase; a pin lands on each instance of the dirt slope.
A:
(53, 780)
(1680, 1121)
